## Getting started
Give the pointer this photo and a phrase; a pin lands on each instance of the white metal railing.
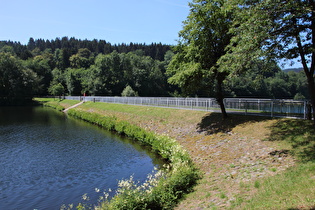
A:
(268, 107)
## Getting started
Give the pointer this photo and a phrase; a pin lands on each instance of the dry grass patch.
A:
(232, 154)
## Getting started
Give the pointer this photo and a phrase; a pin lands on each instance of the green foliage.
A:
(268, 81)
(299, 96)
(41, 65)
(61, 58)
(128, 91)
(203, 41)
(17, 83)
(273, 30)
(56, 89)
(73, 79)
(82, 59)
(99, 68)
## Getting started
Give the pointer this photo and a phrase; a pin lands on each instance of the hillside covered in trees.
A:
(74, 67)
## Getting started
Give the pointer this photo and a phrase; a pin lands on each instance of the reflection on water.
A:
(48, 159)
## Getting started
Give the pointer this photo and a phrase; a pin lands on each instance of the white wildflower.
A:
(85, 197)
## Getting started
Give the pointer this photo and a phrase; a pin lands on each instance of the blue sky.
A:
(116, 21)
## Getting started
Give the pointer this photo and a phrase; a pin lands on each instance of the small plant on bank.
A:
(257, 184)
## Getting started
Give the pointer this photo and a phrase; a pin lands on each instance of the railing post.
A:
(304, 109)
(271, 108)
(288, 110)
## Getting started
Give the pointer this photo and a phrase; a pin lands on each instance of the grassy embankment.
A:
(163, 189)
(246, 162)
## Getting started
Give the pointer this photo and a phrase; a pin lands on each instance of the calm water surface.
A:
(48, 159)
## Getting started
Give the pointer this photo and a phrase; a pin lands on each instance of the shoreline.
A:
(167, 186)
(234, 156)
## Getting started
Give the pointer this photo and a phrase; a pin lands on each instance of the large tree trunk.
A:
(309, 71)
(311, 89)
(310, 76)
(220, 98)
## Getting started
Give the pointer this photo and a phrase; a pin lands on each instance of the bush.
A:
(299, 96)
(129, 92)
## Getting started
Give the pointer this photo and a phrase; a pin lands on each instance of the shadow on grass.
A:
(214, 123)
(300, 134)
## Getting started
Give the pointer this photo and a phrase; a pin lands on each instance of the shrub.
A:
(129, 92)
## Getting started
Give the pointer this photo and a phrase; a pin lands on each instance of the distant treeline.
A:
(76, 67)
(72, 45)
(293, 69)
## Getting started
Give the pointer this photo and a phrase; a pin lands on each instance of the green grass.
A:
(294, 188)
(291, 189)
(154, 112)
(58, 104)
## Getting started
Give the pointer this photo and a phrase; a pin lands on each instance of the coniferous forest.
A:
(70, 66)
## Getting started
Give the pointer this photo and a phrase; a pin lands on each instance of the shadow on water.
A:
(300, 134)
(214, 123)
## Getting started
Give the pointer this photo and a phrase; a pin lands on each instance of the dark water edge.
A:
(48, 159)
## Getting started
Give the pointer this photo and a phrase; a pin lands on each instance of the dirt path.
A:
(78, 104)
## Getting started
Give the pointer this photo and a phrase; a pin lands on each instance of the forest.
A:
(75, 67)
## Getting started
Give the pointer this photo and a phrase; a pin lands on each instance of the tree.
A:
(107, 74)
(253, 82)
(40, 65)
(274, 29)
(31, 44)
(81, 59)
(202, 42)
(73, 79)
(56, 89)
(61, 58)
(128, 91)
(17, 83)
(145, 74)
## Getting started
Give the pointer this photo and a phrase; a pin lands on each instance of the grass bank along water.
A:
(167, 187)
(247, 162)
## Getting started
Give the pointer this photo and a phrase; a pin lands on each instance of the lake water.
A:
(48, 159)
